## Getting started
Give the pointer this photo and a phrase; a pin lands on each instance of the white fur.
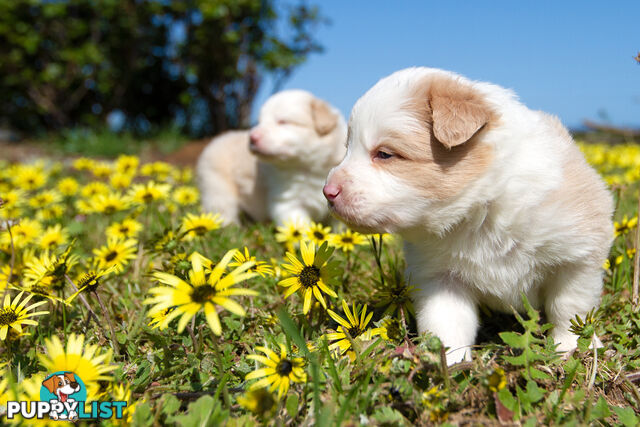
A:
(501, 236)
(284, 180)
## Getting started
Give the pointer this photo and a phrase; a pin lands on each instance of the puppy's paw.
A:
(458, 355)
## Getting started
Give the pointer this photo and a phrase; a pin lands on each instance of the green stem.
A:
(112, 329)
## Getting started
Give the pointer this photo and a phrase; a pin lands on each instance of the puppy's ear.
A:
(458, 112)
(50, 384)
(70, 376)
(324, 120)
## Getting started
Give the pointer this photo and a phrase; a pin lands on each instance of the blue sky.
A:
(570, 58)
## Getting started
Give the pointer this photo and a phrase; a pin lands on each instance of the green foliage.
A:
(198, 63)
(531, 345)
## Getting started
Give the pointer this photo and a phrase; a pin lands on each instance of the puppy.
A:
(62, 386)
(492, 200)
(277, 170)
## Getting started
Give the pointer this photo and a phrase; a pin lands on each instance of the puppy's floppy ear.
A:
(324, 120)
(71, 377)
(458, 112)
(50, 384)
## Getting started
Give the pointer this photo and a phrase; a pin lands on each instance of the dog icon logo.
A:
(64, 390)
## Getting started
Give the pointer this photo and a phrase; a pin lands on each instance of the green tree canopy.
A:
(199, 63)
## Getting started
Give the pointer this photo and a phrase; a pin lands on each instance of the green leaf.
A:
(600, 410)
(508, 400)
(627, 416)
(513, 339)
(292, 405)
(534, 393)
(142, 416)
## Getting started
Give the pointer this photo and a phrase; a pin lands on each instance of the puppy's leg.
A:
(447, 311)
(573, 290)
(219, 195)
(283, 212)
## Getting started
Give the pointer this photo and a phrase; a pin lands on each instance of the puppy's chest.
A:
(493, 268)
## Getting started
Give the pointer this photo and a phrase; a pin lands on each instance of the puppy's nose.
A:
(331, 191)
(255, 136)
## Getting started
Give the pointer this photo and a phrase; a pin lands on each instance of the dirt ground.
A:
(23, 151)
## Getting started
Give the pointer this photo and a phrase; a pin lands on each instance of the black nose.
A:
(74, 384)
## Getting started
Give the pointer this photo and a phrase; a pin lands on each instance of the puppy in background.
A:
(492, 200)
(277, 170)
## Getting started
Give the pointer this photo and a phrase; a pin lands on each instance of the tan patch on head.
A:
(70, 376)
(458, 112)
(446, 152)
(324, 120)
(51, 384)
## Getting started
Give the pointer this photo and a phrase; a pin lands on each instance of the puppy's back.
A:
(226, 172)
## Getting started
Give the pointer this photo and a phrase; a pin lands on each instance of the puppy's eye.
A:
(383, 155)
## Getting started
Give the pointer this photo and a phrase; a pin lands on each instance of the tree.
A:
(199, 63)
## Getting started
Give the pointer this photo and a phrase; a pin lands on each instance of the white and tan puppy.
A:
(277, 170)
(492, 200)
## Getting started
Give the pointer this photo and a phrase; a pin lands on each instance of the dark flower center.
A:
(201, 294)
(318, 235)
(124, 229)
(148, 197)
(296, 234)
(111, 256)
(347, 240)
(354, 331)
(309, 276)
(200, 230)
(7, 316)
(284, 368)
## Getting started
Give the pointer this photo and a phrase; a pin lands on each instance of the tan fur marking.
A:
(592, 204)
(324, 119)
(50, 384)
(458, 112)
(438, 170)
(70, 376)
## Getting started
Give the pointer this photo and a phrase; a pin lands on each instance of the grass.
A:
(195, 377)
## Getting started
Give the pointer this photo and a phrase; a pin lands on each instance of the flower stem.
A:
(194, 341)
(105, 313)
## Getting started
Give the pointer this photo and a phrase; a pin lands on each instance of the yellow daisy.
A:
(143, 194)
(108, 204)
(120, 181)
(93, 189)
(355, 325)
(198, 225)
(44, 198)
(160, 319)
(83, 163)
(127, 165)
(53, 236)
(313, 274)
(68, 186)
(347, 240)
(186, 195)
(29, 177)
(25, 232)
(88, 362)
(117, 253)
(625, 225)
(261, 267)
(317, 233)
(102, 169)
(89, 281)
(259, 401)
(13, 314)
(290, 234)
(205, 289)
(279, 370)
(128, 228)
